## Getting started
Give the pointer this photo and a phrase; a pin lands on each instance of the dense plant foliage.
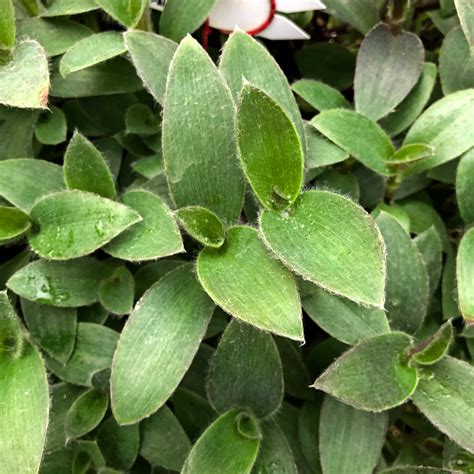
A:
(236, 258)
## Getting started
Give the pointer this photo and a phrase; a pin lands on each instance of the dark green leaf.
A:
(464, 187)
(465, 275)
(141, 120)
(11, 332)
(13, 224)
(52, 127)
(362, 14)
(203, 225)
(319, 95)
(430, 247)
(116, 292)
(434, 348)
(126, 12)
(16, 133)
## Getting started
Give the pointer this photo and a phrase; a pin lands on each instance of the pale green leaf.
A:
(344, 319)
(244, 57)
(446, 126)
(156, 236)
(52, 127)
(24, 79)
(465, 275)
(68, 7)
(201, 165)
(407, 289)
(203, 225)
(372, 376)
(444, 395)
(464, 187)
(246, 371)
(7, 26)
(126, 12)
(24, 398)
(432, 350)
(151, 55)
(350, 440)
(331, 241)
(409, 154)
(243, 279)
(319, 95)
(93, 49)
(361, 14)
(388, 67)
(13, 224)
(86, 170)
(465, 10)
(62, 284)
(74, 223)
(228, 446)
(182, 17)
(185, 311)
(358, 135)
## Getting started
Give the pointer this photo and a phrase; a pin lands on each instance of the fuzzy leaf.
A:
(246, 371)
(362, 14)
(24, 79)
(465, 11)
(436, 347)
(444, 395)
(203, 225)
(62, 284)
(182, 17)
(141, 120)
(407, 280)
(69, 7)
(269, 149)
(11, 332)
(344, 319)
(126, 12)
(358, 135)
(24, 399)
(319, 95)
(243, 279)
(156, 236)
(344, 433)
(430, 247)
(52, 127)
(92, 50)
(13, 224)
(331, 241)
(372, 376)
(465, 275)
(185, 311)
(228, 446)
(395, 61)
(116, 292)
(202, 166)
(86, 170)
(464, 187)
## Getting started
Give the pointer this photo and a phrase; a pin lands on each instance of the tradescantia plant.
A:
(211, 264)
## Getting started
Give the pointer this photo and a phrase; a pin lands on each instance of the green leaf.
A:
(13, 224)
(92, 50)
(432, 350)
(319, 95)
(53, 329)
(140, 120)
(320, 151)
(373, 375)
(163, 441)
(407, 290)
(409, 154)
(16, 133)
(151, 55)
(56, 35)
(95, 346)
(351, 265)
(24, 79)
(465, 275)
(244, 57)
(361, 14)
(413, 104)
(11, 332)
(449, 289)
(19, 183)
(126, 12)
(444, 395)
(24, 399)
(52, 127)
(69, 7)
(417, 470)
(245, 281)
(464, 187)
(274, 452)
(269, 149)
(86, 413)
(73, 224)
(228, 446)
(115, 76)
(117, 291)
(182, 17)
(344, 433)
(202, 166)
(343, 319)
(372, 148)
(339, 182)
(118, 444)
(430, 247)
(185, 311)
(395, 61)
(156, 236)
(246, 371)
(7, 26)
(446, 126)
(456, 63)
(62, 284)
(86, 170)
(465, 11)
(203, 225)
